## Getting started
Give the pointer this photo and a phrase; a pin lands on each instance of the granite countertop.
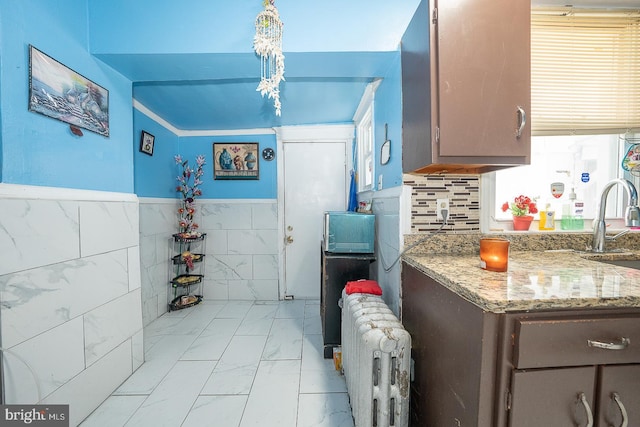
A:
(536, 279)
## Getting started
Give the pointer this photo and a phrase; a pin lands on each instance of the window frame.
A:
(365, 139)
(366, 167)
(615, 211)
(488, 221)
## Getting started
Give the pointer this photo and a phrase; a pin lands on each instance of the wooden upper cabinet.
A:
(466, 86)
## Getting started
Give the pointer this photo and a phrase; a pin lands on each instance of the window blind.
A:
(585, 71)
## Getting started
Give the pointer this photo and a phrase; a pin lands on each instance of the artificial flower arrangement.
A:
(521, 206)
(189, 182)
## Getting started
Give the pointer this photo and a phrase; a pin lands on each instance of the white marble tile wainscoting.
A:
(70, 312)
(242, 250)
(385, 205)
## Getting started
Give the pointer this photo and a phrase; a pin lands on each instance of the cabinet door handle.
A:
(587, 409)
(624, 343)
(522, 120)
(625, 420)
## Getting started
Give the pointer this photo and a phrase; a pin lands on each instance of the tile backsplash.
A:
(463, 192)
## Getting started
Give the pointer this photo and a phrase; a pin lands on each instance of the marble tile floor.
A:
(232, 364)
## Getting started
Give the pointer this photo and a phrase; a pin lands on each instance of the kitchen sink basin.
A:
(629, 263)
(617, 258)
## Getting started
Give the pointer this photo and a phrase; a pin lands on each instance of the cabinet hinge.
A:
(507, 400)
(434, 15)
(437, 136)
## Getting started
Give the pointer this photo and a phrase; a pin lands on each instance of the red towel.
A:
(363, 286)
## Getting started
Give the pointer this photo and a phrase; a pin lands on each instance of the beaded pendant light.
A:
(267, 44)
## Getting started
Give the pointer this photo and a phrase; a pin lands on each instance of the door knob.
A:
(289, 239)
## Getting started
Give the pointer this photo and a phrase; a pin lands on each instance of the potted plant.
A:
(522, 208)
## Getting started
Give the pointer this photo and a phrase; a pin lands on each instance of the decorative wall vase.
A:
(522, 223)
(225, 160)
(250, 160)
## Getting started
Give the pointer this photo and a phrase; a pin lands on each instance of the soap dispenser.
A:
(572, 213)
(547, 219)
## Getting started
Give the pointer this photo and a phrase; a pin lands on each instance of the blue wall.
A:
(264, 188)
(388, 109)
(37, 150)
(155, 176)
(1, 97)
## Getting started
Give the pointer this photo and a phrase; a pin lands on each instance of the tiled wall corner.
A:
(158, 221)
(463, 192)
(241, 259)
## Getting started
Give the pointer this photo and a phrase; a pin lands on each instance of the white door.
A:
(314, 182)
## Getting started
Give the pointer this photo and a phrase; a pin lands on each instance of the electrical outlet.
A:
(440, 205)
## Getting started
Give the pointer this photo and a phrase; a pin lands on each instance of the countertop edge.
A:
(466, 286)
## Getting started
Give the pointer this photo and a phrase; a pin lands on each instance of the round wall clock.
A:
(268, 154)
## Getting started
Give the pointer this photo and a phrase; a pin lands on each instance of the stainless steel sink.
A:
(620, 258)
(629, 263)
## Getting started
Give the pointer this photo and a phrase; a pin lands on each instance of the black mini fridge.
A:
(337, 270)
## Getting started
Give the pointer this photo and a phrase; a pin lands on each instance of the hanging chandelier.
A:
(267, 44)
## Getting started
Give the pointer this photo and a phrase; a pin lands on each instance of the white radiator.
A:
(376, 358)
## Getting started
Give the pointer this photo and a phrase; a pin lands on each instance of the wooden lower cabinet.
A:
(619, 393)
(552, 397)
(454, 347)
(539, 368)
(603, 395)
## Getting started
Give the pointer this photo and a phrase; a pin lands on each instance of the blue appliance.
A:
(349, 233)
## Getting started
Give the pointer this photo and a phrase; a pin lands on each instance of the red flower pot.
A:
(522, 223)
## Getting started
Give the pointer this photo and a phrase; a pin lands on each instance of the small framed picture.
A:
(236, 160)
(146, 143)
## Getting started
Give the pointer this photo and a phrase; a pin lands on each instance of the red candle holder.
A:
(494, 254)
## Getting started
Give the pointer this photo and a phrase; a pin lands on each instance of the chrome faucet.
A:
(631, 214)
